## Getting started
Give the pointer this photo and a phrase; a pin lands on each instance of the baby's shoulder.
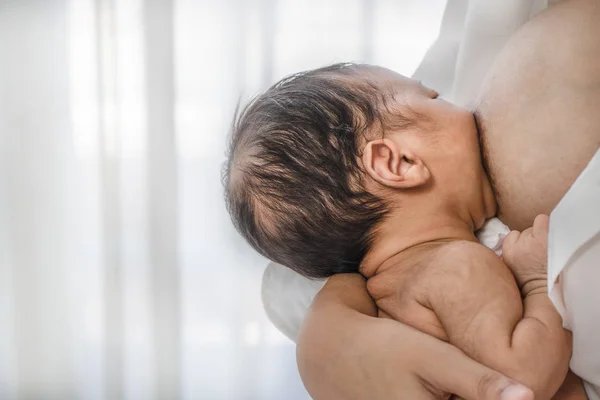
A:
(435, 268)
(463, 258)
(462, 250)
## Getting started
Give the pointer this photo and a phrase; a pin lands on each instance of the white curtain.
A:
(121, 276)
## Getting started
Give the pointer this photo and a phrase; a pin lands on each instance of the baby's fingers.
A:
(509, 242)
(540, 226)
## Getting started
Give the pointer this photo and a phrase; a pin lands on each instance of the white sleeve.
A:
(574, 271)
(488, 25)
(286, 297)
(472, 33)
(437, 69)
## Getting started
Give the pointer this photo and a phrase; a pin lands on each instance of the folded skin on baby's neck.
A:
(403, 235)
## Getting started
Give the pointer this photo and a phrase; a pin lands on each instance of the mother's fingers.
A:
(447, 368)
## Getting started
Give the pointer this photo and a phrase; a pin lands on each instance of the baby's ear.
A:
(392, 166)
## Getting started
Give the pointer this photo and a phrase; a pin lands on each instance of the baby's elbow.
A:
(543, 372)
(545, 384)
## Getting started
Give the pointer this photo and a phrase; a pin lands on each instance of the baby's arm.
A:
(482, 312)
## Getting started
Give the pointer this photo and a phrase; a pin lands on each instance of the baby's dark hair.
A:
(293, 184)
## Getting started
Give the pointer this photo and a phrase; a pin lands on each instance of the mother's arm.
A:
(345, 352)
(571, 389)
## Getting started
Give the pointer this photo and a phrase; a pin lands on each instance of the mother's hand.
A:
(345, 352)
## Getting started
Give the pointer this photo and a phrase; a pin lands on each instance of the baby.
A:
(354, 168)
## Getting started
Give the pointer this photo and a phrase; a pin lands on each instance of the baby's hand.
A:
(526, 254)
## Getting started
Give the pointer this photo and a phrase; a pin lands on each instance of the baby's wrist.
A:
(537, 285)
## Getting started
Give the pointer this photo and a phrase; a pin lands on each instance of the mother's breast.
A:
(539, 110)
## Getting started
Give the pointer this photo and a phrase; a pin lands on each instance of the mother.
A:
(540, 126)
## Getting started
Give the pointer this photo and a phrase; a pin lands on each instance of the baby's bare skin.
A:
(463, 293)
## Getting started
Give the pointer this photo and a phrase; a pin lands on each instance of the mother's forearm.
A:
(571, 389)
(327, 363)
(345, 352)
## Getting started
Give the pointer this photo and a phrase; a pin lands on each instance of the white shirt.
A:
(574, 271)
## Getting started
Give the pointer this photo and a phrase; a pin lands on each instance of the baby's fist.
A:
(526, 253)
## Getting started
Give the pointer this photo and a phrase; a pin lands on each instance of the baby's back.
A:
(406, 290)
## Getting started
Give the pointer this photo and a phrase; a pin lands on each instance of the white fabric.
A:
(574, 271)
(492, 234)
(287, 296)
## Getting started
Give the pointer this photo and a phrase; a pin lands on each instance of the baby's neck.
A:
(396, 240)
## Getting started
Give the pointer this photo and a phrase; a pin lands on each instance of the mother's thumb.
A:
(516, 392)
(450, 370)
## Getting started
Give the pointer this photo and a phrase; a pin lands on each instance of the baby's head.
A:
(321, 160)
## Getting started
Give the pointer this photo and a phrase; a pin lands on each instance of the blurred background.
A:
(121, 276)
